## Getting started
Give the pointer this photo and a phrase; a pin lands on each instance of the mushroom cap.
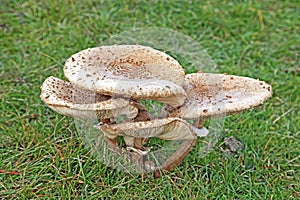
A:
(220, 94)
(64, 98)
(165, 129)
(137, 71)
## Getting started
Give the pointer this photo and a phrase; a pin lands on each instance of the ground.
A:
(41, 154)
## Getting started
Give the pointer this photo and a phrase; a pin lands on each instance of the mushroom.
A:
(165, 129)
(107, 82)
(64, 98)
(134, 71)
(212, 95)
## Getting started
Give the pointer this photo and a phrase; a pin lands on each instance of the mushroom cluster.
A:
(109, 82)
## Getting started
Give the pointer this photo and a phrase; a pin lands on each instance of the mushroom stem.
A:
(105, 121)
(111, 142)
(175, 159)
(133, 157)
(198, 123)
(143, 115)
(138, 143)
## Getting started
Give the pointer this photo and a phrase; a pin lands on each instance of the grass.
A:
(259, 39)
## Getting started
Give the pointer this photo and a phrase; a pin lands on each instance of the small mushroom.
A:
(165, 129)
(219, 95)
(64, 98)
(134, 71)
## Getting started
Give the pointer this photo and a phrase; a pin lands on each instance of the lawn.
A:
(48, 159)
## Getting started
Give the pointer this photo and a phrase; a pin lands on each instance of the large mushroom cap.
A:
(166, 129)
(65, 99)
(137, 71)
(220, 94)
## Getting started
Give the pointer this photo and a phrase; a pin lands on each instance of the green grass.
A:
(36, 37)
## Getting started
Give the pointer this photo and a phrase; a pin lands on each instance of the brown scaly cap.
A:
(65, 99)
(220, 94)
(135, 71)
